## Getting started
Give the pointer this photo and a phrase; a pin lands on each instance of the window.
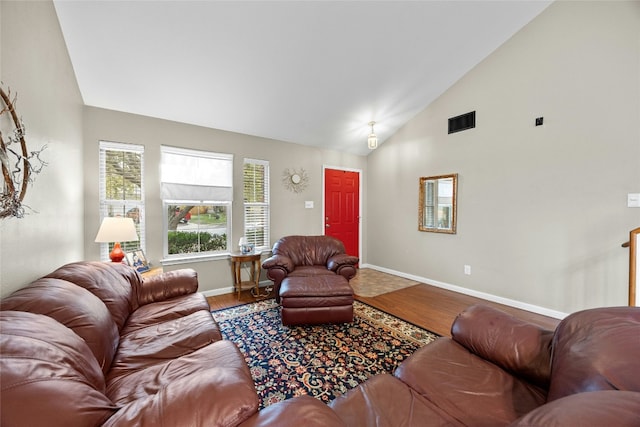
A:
(122, 189)
(255, 175)
(197, 191)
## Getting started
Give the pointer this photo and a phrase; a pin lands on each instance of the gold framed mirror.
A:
(437, 197)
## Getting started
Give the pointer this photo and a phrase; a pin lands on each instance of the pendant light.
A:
(372, 141)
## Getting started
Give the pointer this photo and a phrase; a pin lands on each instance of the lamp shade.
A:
(372, 141)
(116, 229)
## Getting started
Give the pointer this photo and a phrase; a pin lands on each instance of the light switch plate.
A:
(633, 200)
(308, 204)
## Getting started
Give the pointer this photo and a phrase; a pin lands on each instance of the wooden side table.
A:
(237, 258)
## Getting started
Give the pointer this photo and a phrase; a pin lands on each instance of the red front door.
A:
(342, 207)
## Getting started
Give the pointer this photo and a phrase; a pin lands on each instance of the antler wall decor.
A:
(18, 164)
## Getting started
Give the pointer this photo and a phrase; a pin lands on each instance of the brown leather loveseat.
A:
(299, 256)
(497, 370)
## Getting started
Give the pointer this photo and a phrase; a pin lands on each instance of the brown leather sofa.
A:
(300, 256)
(497, 370)
(91, 344)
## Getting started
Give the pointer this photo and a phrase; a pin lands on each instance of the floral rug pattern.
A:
(323, 361)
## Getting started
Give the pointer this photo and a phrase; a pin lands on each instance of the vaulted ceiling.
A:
(308, 72)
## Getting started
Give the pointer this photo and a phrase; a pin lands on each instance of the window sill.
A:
(194, 259)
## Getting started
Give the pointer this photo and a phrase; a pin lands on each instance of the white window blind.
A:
(121, 182)
(197, 191)
(430, 205)
(195, 175)
(256, 202)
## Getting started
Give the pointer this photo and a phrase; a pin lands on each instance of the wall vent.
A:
(462, 122)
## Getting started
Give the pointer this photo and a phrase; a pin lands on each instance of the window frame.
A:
(190, 201)
(122, 205)
(247, 206)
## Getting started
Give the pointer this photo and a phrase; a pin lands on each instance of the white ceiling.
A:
(308, 72)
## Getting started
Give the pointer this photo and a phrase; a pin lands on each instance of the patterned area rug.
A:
(322, 361)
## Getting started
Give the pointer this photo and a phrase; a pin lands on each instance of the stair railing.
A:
(632, 244)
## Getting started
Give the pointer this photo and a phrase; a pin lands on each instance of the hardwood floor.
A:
(435, 309)
(426, 306)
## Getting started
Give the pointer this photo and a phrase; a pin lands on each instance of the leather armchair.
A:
(298, 256)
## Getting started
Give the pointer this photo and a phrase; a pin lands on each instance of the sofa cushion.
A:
(113, 283)
(385, 401)
(48, 374)
(157, 343)
(594, 408)
(311, 270)
(229, 388)
(316, 286)
(299, 411)
(474, 390)
(590, 349)
(74, 307)
(162, 311)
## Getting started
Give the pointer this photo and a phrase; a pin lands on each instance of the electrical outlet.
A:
(467, 270)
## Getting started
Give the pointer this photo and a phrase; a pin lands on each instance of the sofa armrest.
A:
(595, 408)
(519, 347)
(211, 399)
(168, 285)
(299, 411)
(281, 261)
(337, 261)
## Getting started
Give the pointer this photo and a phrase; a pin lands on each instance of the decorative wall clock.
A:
(19, 165)
(295, 180)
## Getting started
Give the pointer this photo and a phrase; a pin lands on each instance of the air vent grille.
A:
(462, 122)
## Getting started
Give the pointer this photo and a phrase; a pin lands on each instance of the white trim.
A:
(489, 297)
(169, 149)
(184, 259)
(229, 290)
(360, 179)
(216, 292)
(121, 146)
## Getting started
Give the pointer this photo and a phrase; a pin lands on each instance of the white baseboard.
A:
(229, 289)
(216, 292)
(489, 297)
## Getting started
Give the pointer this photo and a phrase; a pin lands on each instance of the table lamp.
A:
(116, 229)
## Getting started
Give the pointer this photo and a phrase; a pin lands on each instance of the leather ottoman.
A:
(313, 300)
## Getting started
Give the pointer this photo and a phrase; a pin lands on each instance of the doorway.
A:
(342, 207)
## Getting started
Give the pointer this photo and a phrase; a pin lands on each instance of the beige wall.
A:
(541, 210)
(35, 65)
(288, 214)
